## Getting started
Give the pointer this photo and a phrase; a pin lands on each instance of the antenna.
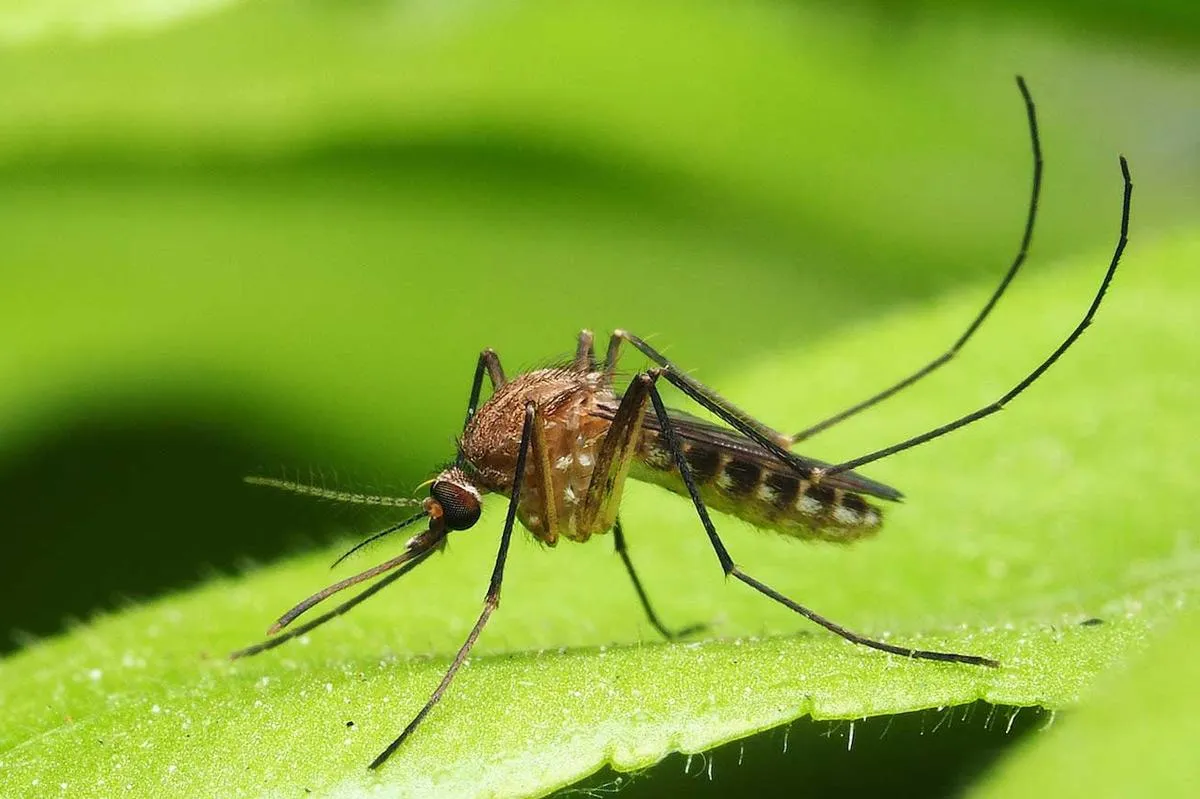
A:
(348, 497)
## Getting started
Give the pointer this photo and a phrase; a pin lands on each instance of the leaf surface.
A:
(1015, 533)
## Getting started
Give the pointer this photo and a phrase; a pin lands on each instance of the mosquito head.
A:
(453, 500)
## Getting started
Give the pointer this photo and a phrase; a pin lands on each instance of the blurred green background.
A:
(272, 237)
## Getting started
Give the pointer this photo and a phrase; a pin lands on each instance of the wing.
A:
(692, 428)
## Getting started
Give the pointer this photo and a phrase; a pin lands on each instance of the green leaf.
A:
(1136, 736)
(1015, 532)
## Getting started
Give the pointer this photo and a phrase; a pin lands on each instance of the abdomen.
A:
(759, 490)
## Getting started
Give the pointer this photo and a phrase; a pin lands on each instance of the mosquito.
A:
(561, 442)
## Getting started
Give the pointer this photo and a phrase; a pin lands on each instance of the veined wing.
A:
(692, 428)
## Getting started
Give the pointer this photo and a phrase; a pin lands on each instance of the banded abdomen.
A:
(737, 476)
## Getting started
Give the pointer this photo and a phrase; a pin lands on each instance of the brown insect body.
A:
(575, 412)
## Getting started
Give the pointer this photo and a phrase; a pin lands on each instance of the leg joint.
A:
(650, 376)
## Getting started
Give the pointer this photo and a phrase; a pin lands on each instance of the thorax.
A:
(574, 411)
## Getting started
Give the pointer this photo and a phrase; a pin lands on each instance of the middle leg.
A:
(609, 473)
(623, 550)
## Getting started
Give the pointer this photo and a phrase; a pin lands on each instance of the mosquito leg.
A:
(946, 356)
(543, 478)
(999, 404)
(622, 550)
(489, 362)
(585, 352)
(613, 458)
(694, 388)
(771, 440)
(614, 352)
(491, 600)
(731, 569)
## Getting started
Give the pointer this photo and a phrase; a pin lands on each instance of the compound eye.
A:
(460, 507)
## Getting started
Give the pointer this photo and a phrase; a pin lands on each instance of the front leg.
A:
(488, 362)
(491, 599)
(585, 352)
